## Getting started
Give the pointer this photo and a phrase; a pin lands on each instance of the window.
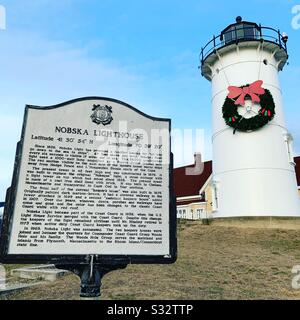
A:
(229, 35)
(240, 32)
(199, 213)
(181, 213)
(250, 31)
(215, 199)
(289, 147)
(178, 213)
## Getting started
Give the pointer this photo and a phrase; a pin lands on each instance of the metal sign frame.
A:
(108, 260)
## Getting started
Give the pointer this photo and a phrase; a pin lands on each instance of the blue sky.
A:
(142, 52)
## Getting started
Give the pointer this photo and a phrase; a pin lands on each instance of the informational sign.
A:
(92, 176)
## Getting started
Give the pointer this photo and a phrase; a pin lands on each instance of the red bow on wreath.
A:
(252, 90)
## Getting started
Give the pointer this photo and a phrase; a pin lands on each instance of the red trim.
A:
(182, 202)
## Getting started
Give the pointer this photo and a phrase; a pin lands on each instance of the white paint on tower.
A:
(253, 172)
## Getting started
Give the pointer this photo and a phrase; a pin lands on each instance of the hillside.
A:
(215, 262)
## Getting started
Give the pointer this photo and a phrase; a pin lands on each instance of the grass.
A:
(214, 262)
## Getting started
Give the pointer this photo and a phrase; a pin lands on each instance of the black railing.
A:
(241, 33)
(2, 204)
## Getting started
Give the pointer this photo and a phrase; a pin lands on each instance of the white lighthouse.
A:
(253, 164)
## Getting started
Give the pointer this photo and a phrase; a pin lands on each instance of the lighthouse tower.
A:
(253, 164)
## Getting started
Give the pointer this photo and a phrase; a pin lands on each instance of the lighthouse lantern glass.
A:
(240, 31)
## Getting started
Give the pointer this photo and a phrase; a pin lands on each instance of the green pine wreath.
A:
(236, 121)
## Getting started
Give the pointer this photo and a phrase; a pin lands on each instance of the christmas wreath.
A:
(237, 97)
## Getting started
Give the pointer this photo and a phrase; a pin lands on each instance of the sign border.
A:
(5, 257)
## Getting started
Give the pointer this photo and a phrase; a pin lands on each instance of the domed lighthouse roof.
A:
(244, 34)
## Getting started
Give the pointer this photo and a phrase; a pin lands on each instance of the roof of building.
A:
(190, 185)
